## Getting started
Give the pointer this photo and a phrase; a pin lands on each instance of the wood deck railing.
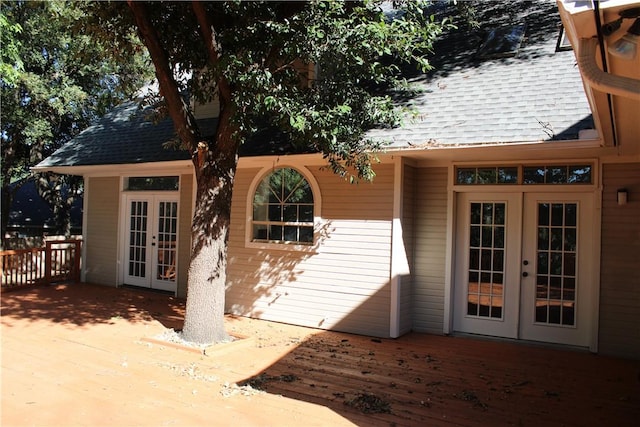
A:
(58, 261)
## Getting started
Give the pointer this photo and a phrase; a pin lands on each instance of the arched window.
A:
(283, 209)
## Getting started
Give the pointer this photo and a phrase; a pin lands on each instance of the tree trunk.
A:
(5, 205)
(206, 286)
(215, 167)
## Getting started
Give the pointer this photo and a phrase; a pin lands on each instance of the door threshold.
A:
(146, 289)
(530, 343)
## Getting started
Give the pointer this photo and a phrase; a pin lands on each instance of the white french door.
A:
(151, 232)
(557, 282)
(523, 266)
(487, 272)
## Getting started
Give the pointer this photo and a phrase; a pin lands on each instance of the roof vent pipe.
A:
(598, 79)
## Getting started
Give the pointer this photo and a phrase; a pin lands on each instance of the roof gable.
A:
(532, 93)
(125, 135)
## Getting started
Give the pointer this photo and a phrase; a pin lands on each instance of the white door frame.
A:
(153, 198)
(586, 318)
(507, 324)
(580, 334)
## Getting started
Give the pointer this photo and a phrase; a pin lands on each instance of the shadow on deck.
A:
(417, 379)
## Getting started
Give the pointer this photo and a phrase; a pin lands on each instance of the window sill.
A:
(290, 247)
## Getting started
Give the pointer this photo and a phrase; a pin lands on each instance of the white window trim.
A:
(124, 182)
(317, 218)
(549, 188)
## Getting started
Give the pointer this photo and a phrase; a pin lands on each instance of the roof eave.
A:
(524, 149)
(129, 169)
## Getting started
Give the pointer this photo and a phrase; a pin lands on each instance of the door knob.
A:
(525, 274)
(525, 262)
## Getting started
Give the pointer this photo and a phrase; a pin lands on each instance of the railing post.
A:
(76, 260)
(47, 263)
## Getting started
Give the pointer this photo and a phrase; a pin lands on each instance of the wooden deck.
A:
(288, 376)
(434, 380)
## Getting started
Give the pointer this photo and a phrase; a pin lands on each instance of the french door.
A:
(523, 266)
(151, 233)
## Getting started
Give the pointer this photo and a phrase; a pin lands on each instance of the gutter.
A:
(598, 79)
(605, 68)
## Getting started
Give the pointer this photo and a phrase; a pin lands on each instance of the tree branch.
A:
(183, 120)
(213, 47)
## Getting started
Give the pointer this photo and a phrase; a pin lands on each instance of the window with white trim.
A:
(283, 209)
(152, 183)
(568, 174)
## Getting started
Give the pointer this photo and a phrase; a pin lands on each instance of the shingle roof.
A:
(125, 135)
(535, 95)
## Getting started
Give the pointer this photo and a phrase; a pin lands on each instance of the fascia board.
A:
(153, 168)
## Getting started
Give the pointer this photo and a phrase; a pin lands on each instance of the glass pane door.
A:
(166, 240)
(486, 260)
(137, 252)
(555, 300)
(557, 283)
(150, 254)
(487, 285)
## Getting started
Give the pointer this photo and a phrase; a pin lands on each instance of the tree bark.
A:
(204, 316)
(215, 165)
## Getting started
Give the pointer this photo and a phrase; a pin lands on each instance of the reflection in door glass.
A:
(137, 238)
(555, 301)
(486, 260)
(167, 233)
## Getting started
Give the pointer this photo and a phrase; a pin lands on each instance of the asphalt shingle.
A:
(125, 135)
(535, 95)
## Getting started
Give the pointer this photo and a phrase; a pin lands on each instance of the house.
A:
(507, 206)
(30, 215)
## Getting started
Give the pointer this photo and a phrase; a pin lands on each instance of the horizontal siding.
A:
(102, 203)
(619, 326)
(406, 282)
(184, 232)
(430, 225)
(207, 111)
(343, 284)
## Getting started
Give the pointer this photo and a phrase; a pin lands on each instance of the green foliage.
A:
(326, 84)
(55, 81)
(313, 74)
(317, 72)
(10, 62)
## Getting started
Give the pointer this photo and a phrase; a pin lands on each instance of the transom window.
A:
(527, 175)
(283, 209)
(152, 183)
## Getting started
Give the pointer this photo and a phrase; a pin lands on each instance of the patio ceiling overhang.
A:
(612, 84)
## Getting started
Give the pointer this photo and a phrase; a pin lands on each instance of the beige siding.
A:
(102, 204)
(206, 111)
(344, 284)
(430, 226)
(619, 332)
(406, 282)
(184, 232)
